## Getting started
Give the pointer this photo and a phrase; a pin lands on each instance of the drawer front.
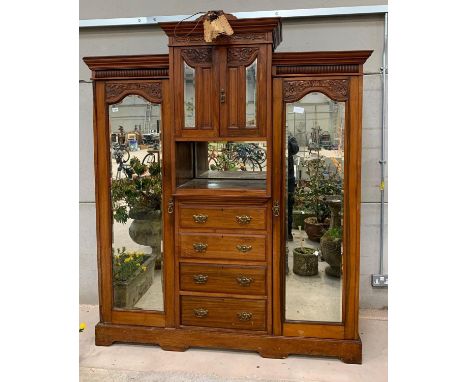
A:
(225, 247)
(225, 313)
(223, 217)
(223, 279)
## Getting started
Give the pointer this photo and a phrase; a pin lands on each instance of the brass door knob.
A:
(200, 279)
(243, 219)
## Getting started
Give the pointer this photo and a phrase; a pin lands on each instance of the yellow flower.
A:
(127, 260)
(82, 326)
(144, 268)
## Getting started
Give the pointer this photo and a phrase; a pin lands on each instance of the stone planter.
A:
(146, 230)
(305, 262)
(298, 218)
(313, 229)
(128, 293)
(331, 253)
(331, 246)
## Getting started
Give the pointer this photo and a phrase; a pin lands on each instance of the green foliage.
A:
(323, 180)
(142, 192)
(334, 233)
(126, 264)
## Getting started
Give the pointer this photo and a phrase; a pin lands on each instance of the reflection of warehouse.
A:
(316, 115)
(135, 114)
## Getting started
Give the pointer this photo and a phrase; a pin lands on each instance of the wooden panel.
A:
(223, 279)
(233, 98)
(223, 217)
(206, 111)
(223, 246)
(349, 351)
(223, 313)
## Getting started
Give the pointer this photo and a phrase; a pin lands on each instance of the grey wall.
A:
(326, 33)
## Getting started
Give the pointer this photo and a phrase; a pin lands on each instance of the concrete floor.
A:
(124, 363)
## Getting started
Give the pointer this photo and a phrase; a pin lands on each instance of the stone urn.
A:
(330, 242)
(314, 229)
(146, 230)
(299, 217)
(305, 261)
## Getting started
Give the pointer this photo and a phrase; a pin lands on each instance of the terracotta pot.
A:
(313, 229)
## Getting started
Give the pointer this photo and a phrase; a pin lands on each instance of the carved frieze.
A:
(241, 55)
(197, 56)
(152, 91)
(294, 90)
(257, 37)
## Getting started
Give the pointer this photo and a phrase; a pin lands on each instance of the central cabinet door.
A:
(217, 91)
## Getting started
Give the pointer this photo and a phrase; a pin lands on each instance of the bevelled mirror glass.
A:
(136, 192)
(189, 96)
(251, 95)
(314, 161)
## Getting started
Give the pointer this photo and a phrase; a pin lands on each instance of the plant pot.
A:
(331, 253)
(298, 218)
(146, 230)
(313, 229)
(127, 293)
(305, 262)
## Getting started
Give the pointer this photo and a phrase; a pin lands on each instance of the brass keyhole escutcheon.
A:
(276, 208)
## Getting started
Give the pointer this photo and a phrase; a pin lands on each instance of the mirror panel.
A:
(136, 193)
(251, 95)
(314, 161)
(189, 96)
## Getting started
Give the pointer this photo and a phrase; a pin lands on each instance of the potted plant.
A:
(323, 179)
(139, 198)
(133, 274)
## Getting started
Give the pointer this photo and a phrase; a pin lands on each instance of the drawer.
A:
(228, 313)
(223, 217)
(222, 246)
(223, 279)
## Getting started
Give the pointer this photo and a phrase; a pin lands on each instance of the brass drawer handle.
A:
(243, 248)
(200, 218)
(244, 316)
(243, 219)
(200, 312)
(200, 247)
(244, 280)
(200, 279)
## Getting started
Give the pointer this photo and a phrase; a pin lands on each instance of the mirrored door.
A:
(135, 134)
(314, 132)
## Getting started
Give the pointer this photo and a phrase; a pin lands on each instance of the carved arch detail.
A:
(241, 55)
(294, 90)
(197, 56)
(151, 91)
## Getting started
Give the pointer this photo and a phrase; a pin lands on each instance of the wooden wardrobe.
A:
(201, 253)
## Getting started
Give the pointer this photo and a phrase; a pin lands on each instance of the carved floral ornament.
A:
(152, 91)
(294, 90)
(196, 56)
(241, 56)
